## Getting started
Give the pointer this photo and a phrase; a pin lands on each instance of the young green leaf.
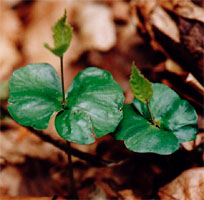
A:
(94, 102)
(94, 107)
(35, 94)
(140, 86)
(62, 35)
(176, 122)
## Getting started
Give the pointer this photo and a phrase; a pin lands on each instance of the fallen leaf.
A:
(191, 80)
(174, 67)
(164, 23)
(189, 146)
(10, 181)
(188, 185)
(185, 8)
(128, 195)
(97, 30)
(9, 57)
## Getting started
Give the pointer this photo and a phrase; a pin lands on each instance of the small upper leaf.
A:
(62, 35)
(35, 94)
(140, 86)
(94, 106)
(176, 122)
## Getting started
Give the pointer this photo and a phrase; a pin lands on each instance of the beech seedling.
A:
(92, 106)
(158, 120)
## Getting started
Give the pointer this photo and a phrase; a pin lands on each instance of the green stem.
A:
(73, 193)
(152, 120)
(62, 78)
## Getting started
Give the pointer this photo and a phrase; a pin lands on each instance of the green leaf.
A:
(35, 94)
(62, 35)
(94, 107)
(140, 86)
(176, 122)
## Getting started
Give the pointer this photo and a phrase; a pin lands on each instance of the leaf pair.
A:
(174, 120)
(94, 102)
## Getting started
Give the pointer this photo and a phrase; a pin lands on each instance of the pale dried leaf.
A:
(188, 185)
(10, 180)
(10, 26)
(28, 198)
(189, 146)
(191, 80)
(98, 194)
(97, 30)
(128, 195)
(15, 147)
(9, 57)
(121, 10)
(164, 23)
(174, 67)
(185, 8)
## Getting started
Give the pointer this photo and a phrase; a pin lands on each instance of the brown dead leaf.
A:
(121, 11)
(97, 30)
(12, 3)
(10, 26)
(16, 149)
(9, 57)
(174, 67)
(180, 92)
(10, 29)
(191, 80)
(164, 23)
(28, 198)
(185, 8)
(10, 180)
(128, 195)
(172, 31)
(189, 146)
(189, 185)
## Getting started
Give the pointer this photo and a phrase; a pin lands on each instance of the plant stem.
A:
(152, 120)
(73, 193)
(62, 79)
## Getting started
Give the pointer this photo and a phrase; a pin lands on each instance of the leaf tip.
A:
(62, 35)
(140, 86)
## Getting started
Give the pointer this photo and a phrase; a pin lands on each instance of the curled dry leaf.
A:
(164, 23)
(189, 185)
(191, 80)
(185, 9)
(175, 28)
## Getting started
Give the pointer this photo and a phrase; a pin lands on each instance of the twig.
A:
(94, 160)
(90, 158)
